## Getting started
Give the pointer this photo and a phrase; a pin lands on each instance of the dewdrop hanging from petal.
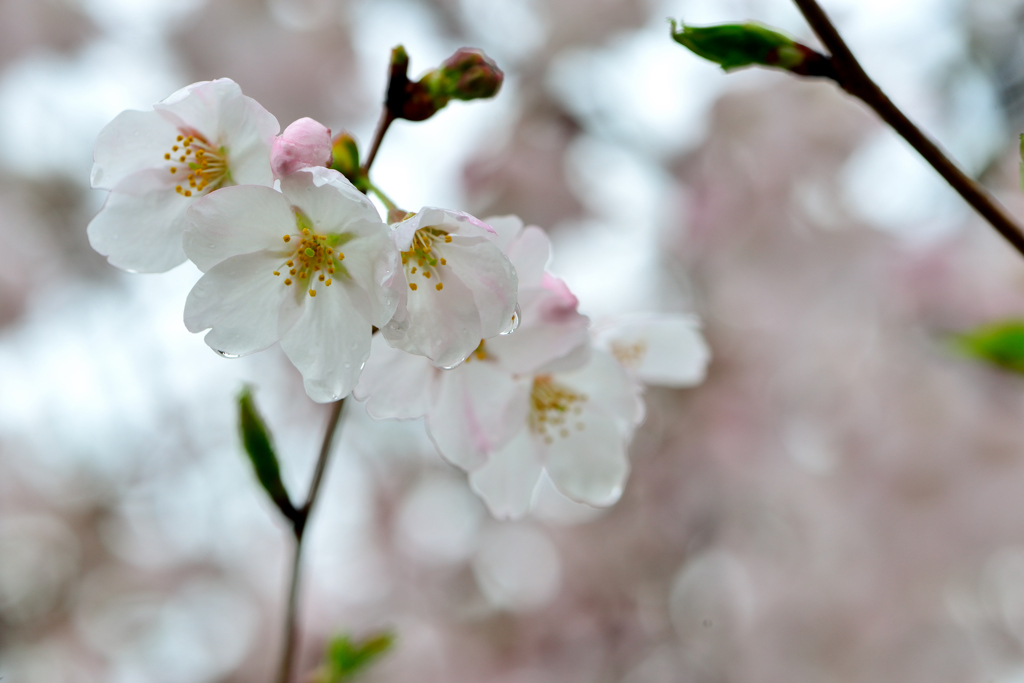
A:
(157, 163)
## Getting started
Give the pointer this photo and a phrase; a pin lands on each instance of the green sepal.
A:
(1000, 343)
(345, 160)
(733, 46)
(260, 450)
(345, 658)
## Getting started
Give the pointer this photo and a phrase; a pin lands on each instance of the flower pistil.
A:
(424, 254)
(314, 255)
(203, 165)
(551, 404)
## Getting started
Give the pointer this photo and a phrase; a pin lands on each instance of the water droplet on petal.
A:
(513, 324)
(225, 354)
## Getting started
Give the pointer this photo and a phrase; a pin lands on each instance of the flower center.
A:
(630, 355)
(551, 405)
(479, 354)
(315, 258)
(200, 164)
(424, 254)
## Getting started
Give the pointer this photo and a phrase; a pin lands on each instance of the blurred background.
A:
(842, 500)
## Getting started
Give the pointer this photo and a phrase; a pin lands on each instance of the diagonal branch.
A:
(853, 79)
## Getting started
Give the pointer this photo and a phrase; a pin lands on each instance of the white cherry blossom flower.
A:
(312, 266)
(578, 427)
(540, 398)
(156, 163)
(665, 350)
(460, 287)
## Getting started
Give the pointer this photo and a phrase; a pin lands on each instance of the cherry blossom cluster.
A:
(438, 315)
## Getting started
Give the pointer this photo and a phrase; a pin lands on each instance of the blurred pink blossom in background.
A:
(840, 500)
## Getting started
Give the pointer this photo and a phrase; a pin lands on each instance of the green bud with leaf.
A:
(344, 658)
(735, 46)
(260, 449)
(1000, 343)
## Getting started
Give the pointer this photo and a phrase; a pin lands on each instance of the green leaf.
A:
(1000, 343)
(258, 446)
(345, 658)
(733, 46)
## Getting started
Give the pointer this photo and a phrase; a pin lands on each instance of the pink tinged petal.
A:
(530, 253)
(141, 224)
(133, 141)
(667, 350)
(305, 142)
(238, 220)
(243, 302)
(590, 463)
(396, 385)
(507, 482)
(551, 329)
(477, 409)
(329, 343)
(506, 229)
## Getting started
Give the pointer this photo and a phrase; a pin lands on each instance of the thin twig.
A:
(386, 119)
(852, 78)
(298, 530)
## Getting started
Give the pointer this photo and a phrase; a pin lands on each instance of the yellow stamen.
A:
(312, 293)
(287, 281)
(439, 286)
(412, 286)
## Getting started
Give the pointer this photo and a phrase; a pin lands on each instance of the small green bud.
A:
(468, 74)
(734, 46)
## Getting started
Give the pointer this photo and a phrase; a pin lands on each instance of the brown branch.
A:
(853, 79)
(386, 119)
(298, 529)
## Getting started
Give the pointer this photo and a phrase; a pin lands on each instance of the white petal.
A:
(477, 409)
(238, 220)
(396, 385)
(508, 479)
(529, 252)
(335, 207)
(248, 132)
(200, 106)
(133, 141)
(506, 229)
(588, 461)
(551, 329)
(243, 301)
(609, 389)
(667, 350)
(488, 273)
(329, 199)
(329, 342)
(442, 325)
(141, 225)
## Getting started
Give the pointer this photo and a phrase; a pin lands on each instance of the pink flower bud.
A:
(304, 143)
